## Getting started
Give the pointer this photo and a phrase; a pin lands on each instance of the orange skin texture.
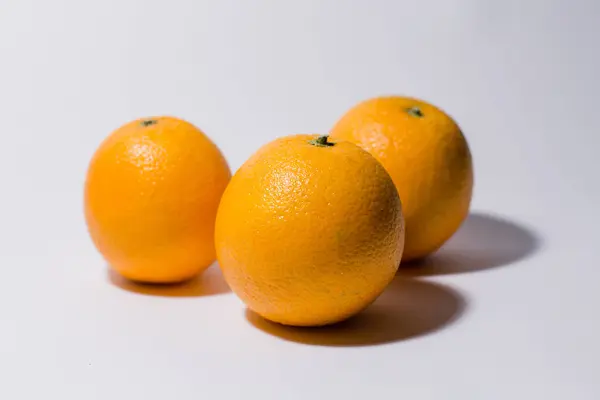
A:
(309, 235)
(151, 196)
(428, 158)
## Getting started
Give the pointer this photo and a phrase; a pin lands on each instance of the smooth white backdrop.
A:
(508, 310)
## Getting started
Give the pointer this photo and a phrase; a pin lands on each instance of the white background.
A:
(507, 310)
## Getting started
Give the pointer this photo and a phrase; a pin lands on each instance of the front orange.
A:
(309, 232)
(151, 196)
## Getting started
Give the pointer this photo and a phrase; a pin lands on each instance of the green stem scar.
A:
(148, 122)
(415, 112)
(321, 141)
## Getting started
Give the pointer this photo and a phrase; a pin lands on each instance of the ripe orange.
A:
(309, 232)
(428, 158)
(151, 197)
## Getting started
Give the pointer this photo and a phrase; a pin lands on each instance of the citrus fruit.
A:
(151, 196)
(309, 232)
(428, 158)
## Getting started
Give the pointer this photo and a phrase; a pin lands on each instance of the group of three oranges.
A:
(309, 231)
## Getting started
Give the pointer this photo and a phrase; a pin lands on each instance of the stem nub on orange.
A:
(309, 231)
(151, 196)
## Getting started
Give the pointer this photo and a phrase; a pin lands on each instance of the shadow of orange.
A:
(483, 242)
(209, 283)
(407, 309)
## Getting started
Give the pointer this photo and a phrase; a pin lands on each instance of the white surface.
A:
(522, 81)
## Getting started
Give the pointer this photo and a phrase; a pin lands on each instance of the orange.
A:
(309, 232)
(428, 158)
(151, 197)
